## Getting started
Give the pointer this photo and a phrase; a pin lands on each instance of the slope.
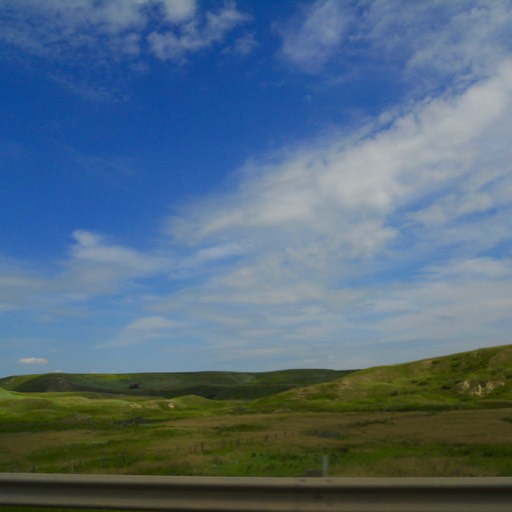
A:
(480, 378)
(213, 385)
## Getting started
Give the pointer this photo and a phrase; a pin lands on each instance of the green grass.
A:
(37, 412)
(477, 379)
(218, 385)
(449, 416)
(442, 443)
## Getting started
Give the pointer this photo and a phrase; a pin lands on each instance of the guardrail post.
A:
(325, 466)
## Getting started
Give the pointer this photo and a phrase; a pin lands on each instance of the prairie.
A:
(449, 416)
(438, 443)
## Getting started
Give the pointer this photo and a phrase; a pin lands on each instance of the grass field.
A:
(449, 416)
(438, 443)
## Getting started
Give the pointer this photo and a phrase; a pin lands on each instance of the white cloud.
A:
(97, 266)
(33, 360)
(347, 191)
(482, 267)
(312, 38)
(471, 36)
(425, 42)
(53, 28)
(18, 288)
(337, 232)
(244, 45)
(150, 324)
(196, 34)
(177, 11)
(448, 310)
(143, 330)
(90, 247)
(114, 29)
(220, 251)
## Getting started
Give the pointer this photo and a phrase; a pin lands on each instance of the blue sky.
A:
(250, 185)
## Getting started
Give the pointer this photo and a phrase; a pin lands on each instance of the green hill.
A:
(480, 378)
(47, 411)
(212, 385)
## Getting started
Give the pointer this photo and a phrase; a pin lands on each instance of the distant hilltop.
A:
(216, 385)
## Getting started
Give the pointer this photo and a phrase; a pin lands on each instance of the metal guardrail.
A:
(226, 494)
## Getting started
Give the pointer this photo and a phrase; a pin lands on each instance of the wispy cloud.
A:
(19, 287)
(196, 34)
(244, 45)
(311, 37)
(49, 28)
(426, 43)
(98, 266)
(143, 330)
(115, 29)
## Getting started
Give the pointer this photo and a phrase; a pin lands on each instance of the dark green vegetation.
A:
(450, 416)
(213, 385)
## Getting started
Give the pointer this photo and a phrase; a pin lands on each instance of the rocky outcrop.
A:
(478, 387)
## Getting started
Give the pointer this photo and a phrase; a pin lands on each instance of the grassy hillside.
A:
(40, 412)
(480, 378)
(448, 416)
(212, 385)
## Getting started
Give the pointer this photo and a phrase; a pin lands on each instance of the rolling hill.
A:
(480, 378)
(445, 416)
(213, 385)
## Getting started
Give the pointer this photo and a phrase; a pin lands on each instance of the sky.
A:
(253, 185)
